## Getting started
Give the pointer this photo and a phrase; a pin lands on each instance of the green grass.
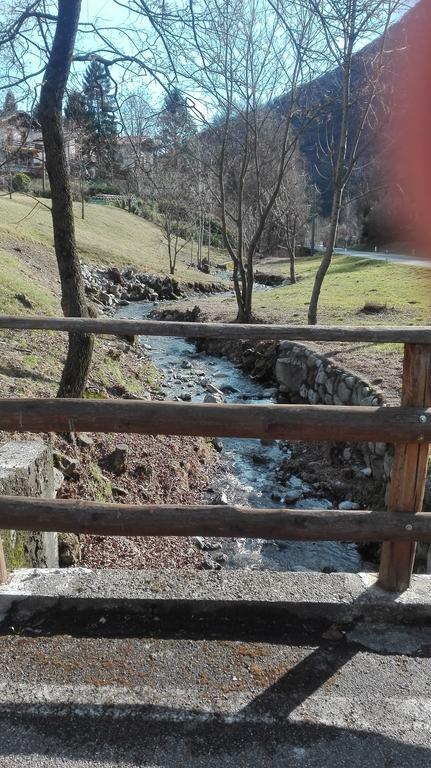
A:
(106, 371)
(14, 549)
(101, 486)
(349, 284)
(32, 361)
(108, 235)
(16, 277)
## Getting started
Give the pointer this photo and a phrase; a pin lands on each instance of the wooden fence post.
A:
(3, 567)
(409, 470)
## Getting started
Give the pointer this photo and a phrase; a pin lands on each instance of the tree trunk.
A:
(73, 302)
(339, 180)
(243, 284)
(170, 249)
(237, 284)
(249, 287)
(326, 259)
(292, 261)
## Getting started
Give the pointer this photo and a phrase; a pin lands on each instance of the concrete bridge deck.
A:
(103, 686)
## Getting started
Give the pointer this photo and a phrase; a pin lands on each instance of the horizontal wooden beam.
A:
(20, 513)
(257, 332)
(294, 422)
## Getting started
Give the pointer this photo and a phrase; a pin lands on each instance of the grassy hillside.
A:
(18, 277)
(31, 362)
(108, 235)
(349, 285)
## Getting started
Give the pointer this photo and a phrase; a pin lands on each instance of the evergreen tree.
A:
(9, 106)
(176, 124)
(101, 136)
(76, 109)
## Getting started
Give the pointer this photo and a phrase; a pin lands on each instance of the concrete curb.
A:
(232, 595)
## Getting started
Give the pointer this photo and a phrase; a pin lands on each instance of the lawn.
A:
(15, 278)
(348, 286)
(31, 361)
(108, 235)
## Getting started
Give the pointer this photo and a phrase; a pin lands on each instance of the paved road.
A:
(393, 258)
(151, 698)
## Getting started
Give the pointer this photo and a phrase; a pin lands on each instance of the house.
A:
(21, 144)
(135, 153)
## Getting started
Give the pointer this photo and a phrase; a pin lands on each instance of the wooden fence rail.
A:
(294, 422)
(251, 332)
(20, 513)
(408, 427)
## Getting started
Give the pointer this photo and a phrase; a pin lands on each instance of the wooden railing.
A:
(408, 427)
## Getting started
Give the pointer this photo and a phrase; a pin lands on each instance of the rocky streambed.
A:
(251, 474)
(111, 287)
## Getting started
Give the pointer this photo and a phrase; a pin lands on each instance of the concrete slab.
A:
(112, 691)
(26, 469)
(236, 594)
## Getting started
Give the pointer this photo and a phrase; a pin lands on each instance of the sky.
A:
(105, 8)
(109, 13)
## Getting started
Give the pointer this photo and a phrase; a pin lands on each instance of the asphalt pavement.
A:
(115, 691)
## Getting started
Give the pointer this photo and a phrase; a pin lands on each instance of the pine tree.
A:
(9, 106)
(76, 109)
(101, 138)
(176, 124)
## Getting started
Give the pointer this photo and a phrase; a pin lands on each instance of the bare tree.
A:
(176, 210)
(346, 26)
(138, 121)
(73, 301)
(55, 47)
(240, 59)
(292, 210)
(37, 45)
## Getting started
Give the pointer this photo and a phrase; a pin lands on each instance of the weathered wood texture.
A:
(409, 470)
(20, 513)
(252, 332)
(294, 422)
(3, 567)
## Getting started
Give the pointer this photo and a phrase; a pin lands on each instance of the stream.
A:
(251, 465)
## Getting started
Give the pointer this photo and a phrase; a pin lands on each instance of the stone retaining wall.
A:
(26, 469)
(303, 376)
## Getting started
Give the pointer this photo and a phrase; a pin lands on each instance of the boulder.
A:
(114, 275)
(221, 498)
(209, 398)
(346, 505)
(292, 495)
(84, 440)
(69, 549)
(214, 390)
(116, 461)
(67, 465)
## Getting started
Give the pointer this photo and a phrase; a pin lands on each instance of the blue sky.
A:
(105, 9)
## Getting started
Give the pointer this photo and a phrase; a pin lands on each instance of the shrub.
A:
(21, 182)
(100, 187)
